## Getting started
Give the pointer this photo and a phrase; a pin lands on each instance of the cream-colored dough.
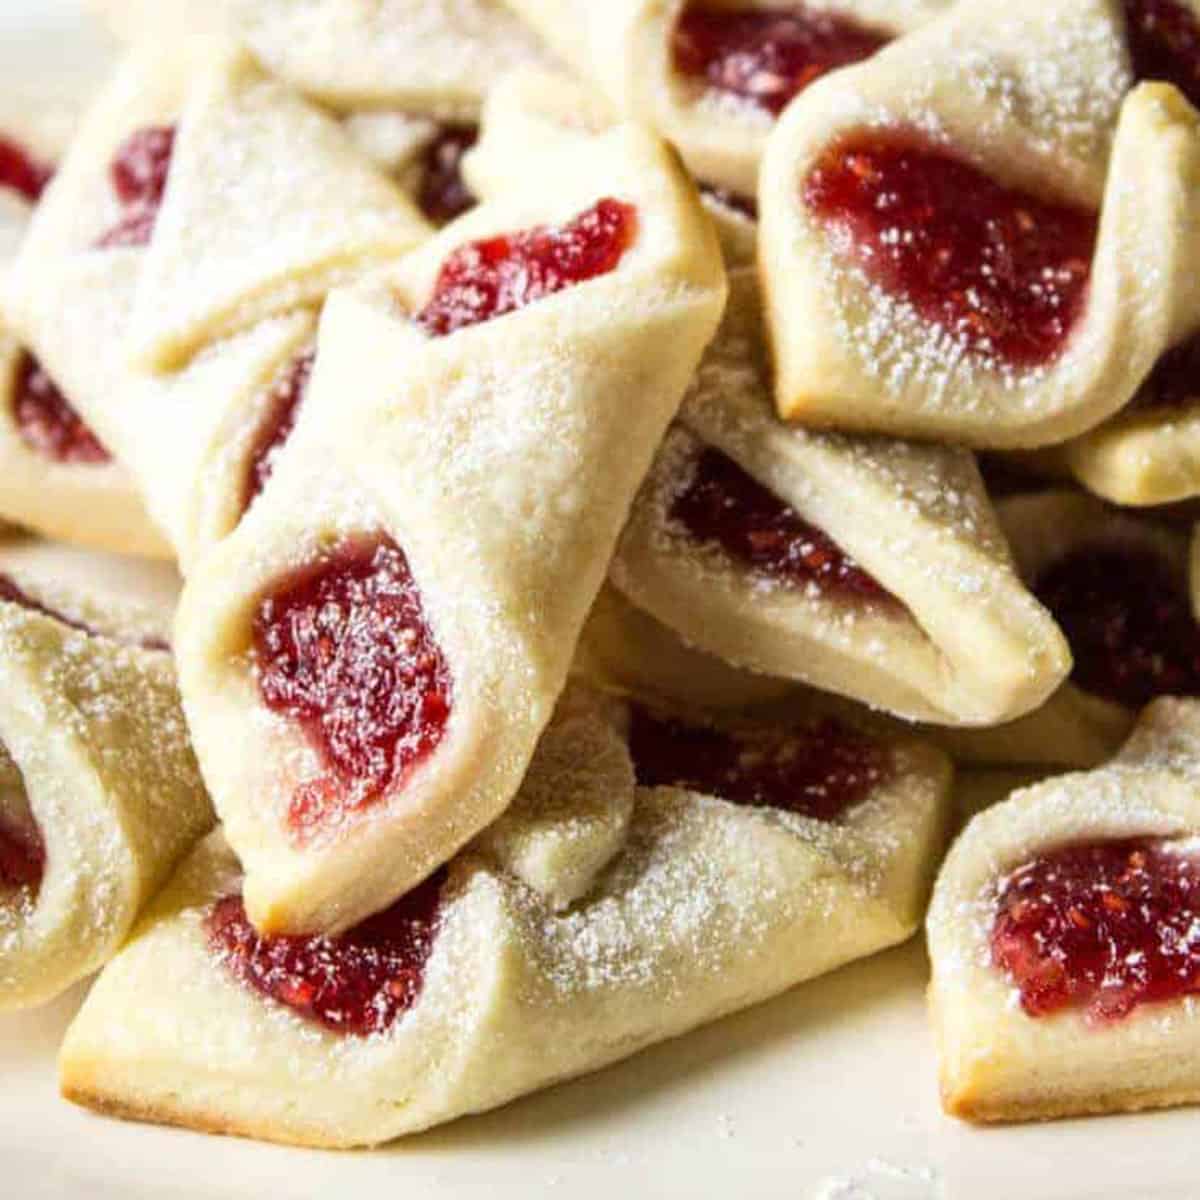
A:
(502, 459)
(1028, 91)
(970, 646)
(706, 908)
(997, 1063)
(94, 754)
(231, 281)
(624, 46)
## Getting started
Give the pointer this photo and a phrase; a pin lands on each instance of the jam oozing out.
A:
(357, 983)
(1175, 380)
(746, 205)
(1000, 271)
(1101, 927)
(765, 56)
(277, 426)
(1164, 43)
(443, 193)
(46, 421)
(818, 770)
(10, 593)
(722, 504)
(138, 173)
(343, 648)
(1129, 623)
(486, 279)
(21, 172)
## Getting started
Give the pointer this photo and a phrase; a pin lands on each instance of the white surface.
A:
(827, 1093)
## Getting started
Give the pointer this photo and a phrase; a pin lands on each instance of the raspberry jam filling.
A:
(443, 193)
(357, 983)
(765, 56)
(10, 593)
(22, 851)
(1129, 623)
(1175, 380)
(139, 174)
(1002, 272)
(724, 505)
(343, 648)
(488, 278)
(1102, 928)
(21, 172)
(1164, 43)
(46, 421)
(818, 770)
(277, 426)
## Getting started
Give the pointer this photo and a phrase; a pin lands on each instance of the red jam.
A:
(1164, 43)
(1000, 271)
(1103, 927)
(139, 174)
(724, 505)
(443, 193)
(486, 279)
(357, 983)
(1128, 621)
(21, 172)
(277, 426)
(746, 205)
(1175, 380)
(22, 857)
(766, 56)
(343, 647)
(818, 770)
(47, 422)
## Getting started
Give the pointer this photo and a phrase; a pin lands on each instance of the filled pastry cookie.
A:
(1119, 586)
(743, 542)
(368, 661)
(99, 793)
(1063, 937)
(55, 475)
(709, 887)
(950, 241)
(173, 273)
(713, 77)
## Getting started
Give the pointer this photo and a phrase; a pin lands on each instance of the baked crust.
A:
(850, 356)
(997, 1063)
(705, 907)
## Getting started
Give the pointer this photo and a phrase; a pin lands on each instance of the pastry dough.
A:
(998, 1063)
(500, 461)
(1075, 728)
(412, 55)
(707, 907)
(175, 351)
(99, 792)
(978, 84)
(960, 642)
(625, 47)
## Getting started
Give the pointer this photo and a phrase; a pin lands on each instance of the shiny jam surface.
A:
(1164, 43)
(139, 174)
(21, 172)
(818, 770)
(1102, 927)
(357, 983)
(47, 422)
(443, 193)
(765, 56)
(722, 504)
(1175, 380)
(486, 279)
(277, 426)
(1000, 271)
(343, 648)
(1129, 623)
(22, 858)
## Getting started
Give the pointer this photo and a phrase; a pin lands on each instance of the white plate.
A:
(827, 1093)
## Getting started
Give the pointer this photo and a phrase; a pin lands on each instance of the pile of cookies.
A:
(619, 458)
